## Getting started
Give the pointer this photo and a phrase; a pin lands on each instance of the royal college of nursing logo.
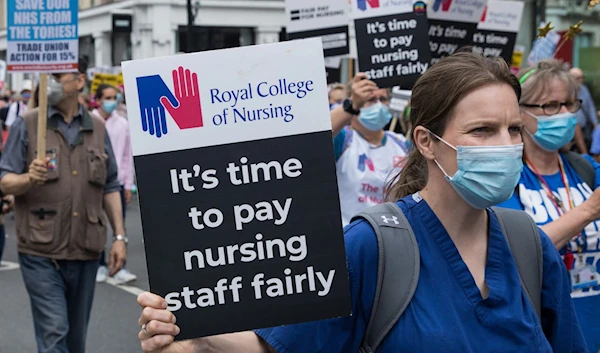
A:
(362, 4)
(444, 4)
(156, 100)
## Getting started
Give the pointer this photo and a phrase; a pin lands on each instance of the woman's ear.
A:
(424, 142)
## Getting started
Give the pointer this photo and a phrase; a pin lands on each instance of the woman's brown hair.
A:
(433, 99)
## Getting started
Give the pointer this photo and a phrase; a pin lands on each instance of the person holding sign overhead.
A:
(557, 187)
(365, 154)
(466, 158)
(59, 211)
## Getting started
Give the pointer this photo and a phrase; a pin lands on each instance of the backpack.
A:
(582, 167)
(399, 261)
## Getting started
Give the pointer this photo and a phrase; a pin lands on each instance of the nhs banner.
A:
(42, 35)
(238, 194)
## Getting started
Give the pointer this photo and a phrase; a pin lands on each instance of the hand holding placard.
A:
(362, 90)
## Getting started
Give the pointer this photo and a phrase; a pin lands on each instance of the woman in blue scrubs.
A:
(465, 114)
(553, 193)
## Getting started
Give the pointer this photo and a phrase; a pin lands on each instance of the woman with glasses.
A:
(556, 186)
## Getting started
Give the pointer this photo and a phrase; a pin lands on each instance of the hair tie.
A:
(526, 75)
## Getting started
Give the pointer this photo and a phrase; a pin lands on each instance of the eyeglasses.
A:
(553, 107)
(59, 75)
(382, 99)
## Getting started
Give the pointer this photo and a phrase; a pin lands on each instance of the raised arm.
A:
(362, 90)
(573, 222)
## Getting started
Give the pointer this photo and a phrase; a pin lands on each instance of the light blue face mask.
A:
(554, 131)
(375, 117)
(486, 175)
(109, 106)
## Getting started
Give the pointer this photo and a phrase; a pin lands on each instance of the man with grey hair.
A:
(586, 116)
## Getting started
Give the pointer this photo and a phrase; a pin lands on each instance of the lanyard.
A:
(555, 199)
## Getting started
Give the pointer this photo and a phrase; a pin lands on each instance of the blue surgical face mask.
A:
(486, 175)
(375, 117)
(554, 131)
(109, 106)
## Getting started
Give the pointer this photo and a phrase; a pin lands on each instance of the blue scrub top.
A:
(447, 312)
(533, 199)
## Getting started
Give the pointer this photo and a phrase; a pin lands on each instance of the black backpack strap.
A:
(524, 242)
(582, 167)
(397, 271)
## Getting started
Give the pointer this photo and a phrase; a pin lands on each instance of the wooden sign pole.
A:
(393, 123)
(42, 116)
(350, 69)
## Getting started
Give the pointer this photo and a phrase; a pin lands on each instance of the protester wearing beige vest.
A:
(59, 209)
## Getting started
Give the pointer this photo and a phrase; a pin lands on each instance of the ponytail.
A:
(412, 177)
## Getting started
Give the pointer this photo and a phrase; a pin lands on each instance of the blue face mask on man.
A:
(375, 117)
(486, 175)
(554, 131)
(109, 106)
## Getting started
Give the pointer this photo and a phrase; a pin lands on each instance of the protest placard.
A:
(517, 58)
(544, 47)
(399, 100)
(326, 19)
(497, 31)
(452, 24)
(109, 75)
(42, 36)
(238, 192)
(391, 39)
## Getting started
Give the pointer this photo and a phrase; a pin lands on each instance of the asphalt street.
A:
(113, 324)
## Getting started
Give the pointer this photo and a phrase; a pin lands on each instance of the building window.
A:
(211, 38)
(87, 49)
(121, 47)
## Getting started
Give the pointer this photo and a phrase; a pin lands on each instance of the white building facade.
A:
(112, 31)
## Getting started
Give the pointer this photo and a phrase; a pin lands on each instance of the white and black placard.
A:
(237, 185)
(400, 99)
(391, 39)
(326, 19)
(452, 24)
(496, 33)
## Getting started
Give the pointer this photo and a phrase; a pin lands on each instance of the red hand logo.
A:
(446, 5)
(188, 113)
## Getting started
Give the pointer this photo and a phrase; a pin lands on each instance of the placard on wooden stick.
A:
(42, 116)
(42, 39)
